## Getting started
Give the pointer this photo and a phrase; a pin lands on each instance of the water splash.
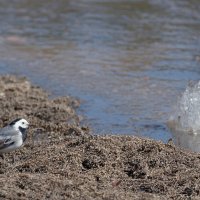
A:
(188, 109)
(185, 122)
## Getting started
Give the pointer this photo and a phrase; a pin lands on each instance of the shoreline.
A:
(61, 160)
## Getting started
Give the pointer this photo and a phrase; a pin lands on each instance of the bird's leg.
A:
(13, 158)
(2, 156)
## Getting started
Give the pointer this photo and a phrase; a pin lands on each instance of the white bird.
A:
(13, 135)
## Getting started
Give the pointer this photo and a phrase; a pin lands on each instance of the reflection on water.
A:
(128, 61)
(184, 138)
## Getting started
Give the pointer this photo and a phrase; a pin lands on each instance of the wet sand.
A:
(61, 160)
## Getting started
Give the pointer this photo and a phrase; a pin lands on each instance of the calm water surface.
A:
(127, 61)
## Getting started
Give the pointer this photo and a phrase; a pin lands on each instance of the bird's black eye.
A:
(22, 122)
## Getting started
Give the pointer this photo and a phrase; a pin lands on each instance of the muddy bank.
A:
(61, 160)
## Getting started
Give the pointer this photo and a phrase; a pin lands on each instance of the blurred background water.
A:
(127, 61)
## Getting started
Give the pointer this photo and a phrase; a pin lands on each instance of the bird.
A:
(13, 135)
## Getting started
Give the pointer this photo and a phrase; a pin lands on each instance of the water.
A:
(128, 62)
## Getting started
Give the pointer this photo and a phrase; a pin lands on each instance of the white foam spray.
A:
(188, 109)
(185, 121)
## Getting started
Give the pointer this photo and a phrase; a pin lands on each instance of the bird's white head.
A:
(19, 124)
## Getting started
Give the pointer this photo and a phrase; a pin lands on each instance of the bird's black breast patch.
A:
(23, 131)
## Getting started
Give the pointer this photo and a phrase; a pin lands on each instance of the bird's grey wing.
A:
(6, 142)
(7, 131)
(6, 136)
